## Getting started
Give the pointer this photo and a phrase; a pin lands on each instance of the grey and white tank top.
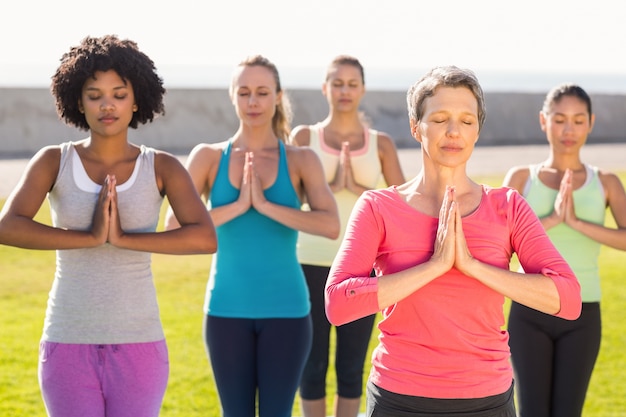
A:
(103, 295)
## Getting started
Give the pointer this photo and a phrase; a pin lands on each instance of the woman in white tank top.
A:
(354, 157)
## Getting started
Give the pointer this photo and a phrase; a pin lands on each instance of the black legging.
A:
(352, 342)
(553, 359)
(263, 354)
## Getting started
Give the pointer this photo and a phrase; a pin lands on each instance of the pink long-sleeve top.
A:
(447, 339)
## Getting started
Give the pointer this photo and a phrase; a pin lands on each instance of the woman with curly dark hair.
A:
(103, 349)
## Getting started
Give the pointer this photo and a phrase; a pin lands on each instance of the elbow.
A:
(5, 232)
(570, 305)
(333, 317)
(333, 312)
(333, 321)
(334, 228)
(571, 311)
(204, 239)
(210, 247)
(210, 243)
(213, 247)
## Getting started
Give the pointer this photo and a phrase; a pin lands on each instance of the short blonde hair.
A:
(444, 76)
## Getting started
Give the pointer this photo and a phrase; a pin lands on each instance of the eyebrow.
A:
(119, 87)
(584, 114)
(245, 87)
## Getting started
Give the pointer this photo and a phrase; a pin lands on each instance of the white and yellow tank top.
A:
(320, 251)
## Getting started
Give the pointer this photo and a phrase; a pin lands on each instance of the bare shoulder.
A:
(611, 181)
(603, 174)
(207, 152)
(386, 143)
(163, 159)
(42, 170)
(47, 159)
(516, 177)
(301, 156)
(518, 170)
(47, 154)
(300, 135)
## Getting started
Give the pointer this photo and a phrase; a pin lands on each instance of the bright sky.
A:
(559, 37)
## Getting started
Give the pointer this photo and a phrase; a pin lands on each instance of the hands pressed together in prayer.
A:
(344, 177)
(251, 191)
(450, 245)
(564, 203)
(106, 223)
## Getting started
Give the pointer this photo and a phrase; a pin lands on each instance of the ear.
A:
(81, 108)
(279, 97)
(592, 122)
(542, 121)
(325, 89)
(415, 130)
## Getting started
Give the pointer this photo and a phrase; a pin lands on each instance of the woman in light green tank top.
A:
(553, 359)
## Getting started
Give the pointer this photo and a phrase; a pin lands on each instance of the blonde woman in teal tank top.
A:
(257, 325)
(554, 359)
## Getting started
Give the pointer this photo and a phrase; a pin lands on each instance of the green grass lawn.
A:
(26, 276)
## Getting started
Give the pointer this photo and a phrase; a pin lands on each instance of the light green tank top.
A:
(580, 252)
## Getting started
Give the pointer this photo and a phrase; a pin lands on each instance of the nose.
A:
(453, 128)
(106, 105)
(568, 126)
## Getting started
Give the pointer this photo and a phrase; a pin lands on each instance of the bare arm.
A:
(196, 234)
(616, 200)
(300, 136)
(307, 174)
(17, 224)
(516, 178)
(389, 160)
(202, 165)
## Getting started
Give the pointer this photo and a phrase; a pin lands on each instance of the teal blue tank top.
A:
(580, 252)
(255, 272)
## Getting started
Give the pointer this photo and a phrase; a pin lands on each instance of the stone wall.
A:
(28, 119)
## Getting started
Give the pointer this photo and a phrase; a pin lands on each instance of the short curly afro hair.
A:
(103, 54)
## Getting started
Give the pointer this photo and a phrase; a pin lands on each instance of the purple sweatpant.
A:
(123, 380)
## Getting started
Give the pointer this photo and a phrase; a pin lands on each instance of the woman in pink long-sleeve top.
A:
(441, 245)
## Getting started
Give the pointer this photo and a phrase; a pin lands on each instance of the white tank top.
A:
(318, 250)
(103, 295)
